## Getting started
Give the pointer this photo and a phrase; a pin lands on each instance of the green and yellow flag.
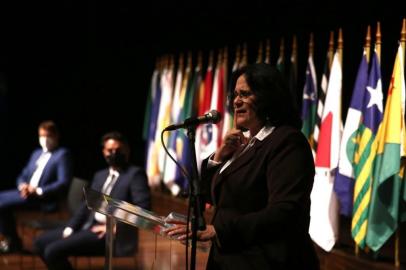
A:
(385, 210)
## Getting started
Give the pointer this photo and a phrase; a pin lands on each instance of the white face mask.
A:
(45, 143)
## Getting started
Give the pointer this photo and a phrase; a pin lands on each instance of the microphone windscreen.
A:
(215, 116)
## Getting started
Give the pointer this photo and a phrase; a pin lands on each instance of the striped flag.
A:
(389, 168)
(320, 102)
(309, 102)
(217, 103)
(204, 132)
(324, 207)
(171, 172)
(365, 155)
(156, 153)
(344, 182)
(228, 103)
(148, 108)
(151, 157)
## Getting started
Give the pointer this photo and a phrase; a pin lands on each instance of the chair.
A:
(47, 222)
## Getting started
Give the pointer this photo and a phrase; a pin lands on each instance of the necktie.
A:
(106, 189)
(108, 186)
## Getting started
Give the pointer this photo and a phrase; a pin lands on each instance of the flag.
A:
(155, 93)
(171, 171)
(344, 182)
(324, 206)
(372, 109)
(228, 103)
(157, 156)
(386, 189)
(183, 144)
(204, 132)
(320, 102)
(309, 101)
(217, 102)
(148, 109)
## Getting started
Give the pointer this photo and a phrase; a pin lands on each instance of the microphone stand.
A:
(195, 200)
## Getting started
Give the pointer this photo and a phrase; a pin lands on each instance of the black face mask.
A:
(116, 159)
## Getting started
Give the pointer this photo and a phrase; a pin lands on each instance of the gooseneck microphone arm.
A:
(196, 202)
(195, 197)
(211, 117)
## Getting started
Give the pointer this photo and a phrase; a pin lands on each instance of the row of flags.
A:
(175, 96)
(177, 93)
(359, 167)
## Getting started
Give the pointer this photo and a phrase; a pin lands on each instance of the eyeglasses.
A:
(242, 94)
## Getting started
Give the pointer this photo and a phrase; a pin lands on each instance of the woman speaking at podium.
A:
(259, 181)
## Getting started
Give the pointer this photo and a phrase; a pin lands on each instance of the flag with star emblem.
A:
(388, 199)
(344, 182)
(309, 101)
(366, 152)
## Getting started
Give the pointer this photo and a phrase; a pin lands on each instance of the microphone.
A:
(211, 117)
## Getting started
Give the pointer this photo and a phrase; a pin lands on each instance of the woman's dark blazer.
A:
(262, 205)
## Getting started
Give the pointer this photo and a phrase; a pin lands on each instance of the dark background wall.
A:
(87, 64)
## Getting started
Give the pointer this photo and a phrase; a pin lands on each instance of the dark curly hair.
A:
(273, 104)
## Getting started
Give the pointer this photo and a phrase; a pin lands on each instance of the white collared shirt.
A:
(106, 189)
(261, 135)
(40, 163)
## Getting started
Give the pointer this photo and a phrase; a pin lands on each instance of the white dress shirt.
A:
(107, 187)
(261, 135)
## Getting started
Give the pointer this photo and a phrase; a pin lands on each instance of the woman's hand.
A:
(179, 232)
(231, 142)
(99, 229)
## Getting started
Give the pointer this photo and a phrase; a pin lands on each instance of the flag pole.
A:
(225, 64)
(311, 44)
(294, 49)
(237, 60)
(340, 45)
(200, 60)
(244, 58)
(211, 57)
(260, 49)
(367, 45)
(293, 58)
(281, 58)
(330, 53)
(268, 51)
(282, 48)
(378, 41)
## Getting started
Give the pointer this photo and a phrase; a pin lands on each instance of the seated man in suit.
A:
(45, 178)
(85, 233)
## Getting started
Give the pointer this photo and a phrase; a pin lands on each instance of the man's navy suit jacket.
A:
(56, 176)
(131, 186)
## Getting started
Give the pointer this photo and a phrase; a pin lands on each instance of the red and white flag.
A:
(324, 205)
